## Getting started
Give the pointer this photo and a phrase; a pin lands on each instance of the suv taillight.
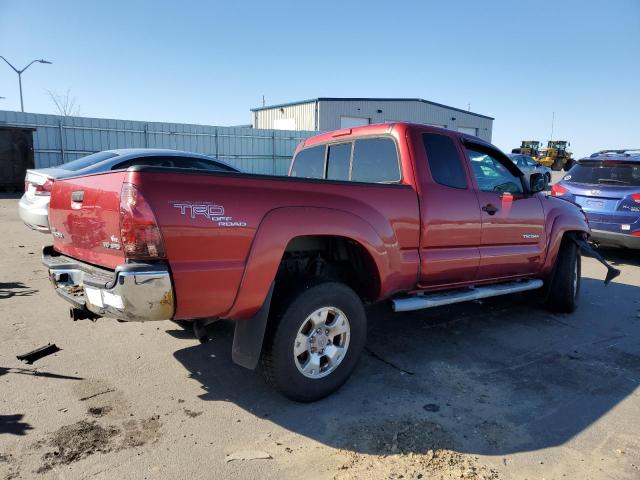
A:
(636, 197)
(141, 238)
(558, 190)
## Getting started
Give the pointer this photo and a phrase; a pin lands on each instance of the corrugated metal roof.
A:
(366, 99)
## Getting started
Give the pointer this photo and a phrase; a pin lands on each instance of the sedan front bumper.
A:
(135, 292)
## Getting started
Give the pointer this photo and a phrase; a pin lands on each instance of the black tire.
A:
(279, 364)
(557, 165)
(547, 179)
(564, 284)
(568, 165)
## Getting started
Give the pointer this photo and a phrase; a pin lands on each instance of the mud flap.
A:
(588, 251)
(249, 335)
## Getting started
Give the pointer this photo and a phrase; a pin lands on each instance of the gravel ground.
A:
(499, 389)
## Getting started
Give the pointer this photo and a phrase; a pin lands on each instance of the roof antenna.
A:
(468, 107)
(553, 118)
(263, 101)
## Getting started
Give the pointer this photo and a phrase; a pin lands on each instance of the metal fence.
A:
(58, 139)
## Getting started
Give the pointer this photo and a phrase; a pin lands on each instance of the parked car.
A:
(413, 215)
(607, 187)
(34, 204)
(529, 165)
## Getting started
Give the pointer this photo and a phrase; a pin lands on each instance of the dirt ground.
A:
(499, 389)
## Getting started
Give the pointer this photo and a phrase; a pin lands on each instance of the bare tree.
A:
(66, 104)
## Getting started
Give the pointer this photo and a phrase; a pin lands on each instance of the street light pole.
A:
(19, 72)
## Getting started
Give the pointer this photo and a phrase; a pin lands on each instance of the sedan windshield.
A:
(610, 173)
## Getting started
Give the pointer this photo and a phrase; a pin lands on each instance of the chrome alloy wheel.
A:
(322, 342)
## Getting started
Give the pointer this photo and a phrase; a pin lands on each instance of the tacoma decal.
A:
(208, 210)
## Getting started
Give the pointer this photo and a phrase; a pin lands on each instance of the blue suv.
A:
(607, 187)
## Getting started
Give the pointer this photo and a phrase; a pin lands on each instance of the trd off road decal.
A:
(208, 210)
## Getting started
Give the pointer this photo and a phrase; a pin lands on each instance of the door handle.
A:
(490, 209)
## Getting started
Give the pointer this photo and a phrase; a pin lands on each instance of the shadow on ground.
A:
(15, 289)
(12, 424)
(620, 256)
(497, 377)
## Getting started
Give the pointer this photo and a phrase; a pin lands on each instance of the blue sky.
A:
(210, 62)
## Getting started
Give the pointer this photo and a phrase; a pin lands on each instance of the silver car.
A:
(34, 204)
(528, 165)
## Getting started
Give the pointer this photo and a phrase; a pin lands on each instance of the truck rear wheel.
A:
(564, 284)
(314, 341)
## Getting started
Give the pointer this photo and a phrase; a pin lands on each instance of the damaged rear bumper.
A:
(133, 292)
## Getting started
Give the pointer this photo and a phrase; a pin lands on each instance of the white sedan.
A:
(34, 204)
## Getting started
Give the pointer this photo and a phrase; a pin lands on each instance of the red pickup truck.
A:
(409, 214)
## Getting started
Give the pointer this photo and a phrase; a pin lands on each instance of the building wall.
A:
(303, 116)
(59, 139)
(418, 112)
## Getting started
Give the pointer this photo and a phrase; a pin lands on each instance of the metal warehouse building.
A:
(30, 140)
(334, 113)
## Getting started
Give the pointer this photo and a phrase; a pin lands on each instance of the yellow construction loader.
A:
(528, 147)
(556, 156)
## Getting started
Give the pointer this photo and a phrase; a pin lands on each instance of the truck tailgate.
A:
(84, 215)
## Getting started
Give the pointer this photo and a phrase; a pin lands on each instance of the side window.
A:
(375, 160)
(491, 175)
(444, 161)
(309, 163)
(338, 161)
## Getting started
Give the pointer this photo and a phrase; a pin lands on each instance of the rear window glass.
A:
(338, 161)
(444, 161)
(606, 173)
(87, 161)
(175, 162)
(309, 163)
(375, 160)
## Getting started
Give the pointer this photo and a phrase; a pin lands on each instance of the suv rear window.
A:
(606, 173)
(309, 163)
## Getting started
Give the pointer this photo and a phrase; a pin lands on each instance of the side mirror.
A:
(536, 183)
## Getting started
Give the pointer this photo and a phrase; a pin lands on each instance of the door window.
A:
(444, 162)
(491, 174)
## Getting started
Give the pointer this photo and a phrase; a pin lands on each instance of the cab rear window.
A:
(369, 160)
(309, 163)
(606, 173)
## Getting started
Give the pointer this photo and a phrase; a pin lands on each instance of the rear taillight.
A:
(558, 190)
(39, 189)
(636, 234)
(141, 238)
(636, 197)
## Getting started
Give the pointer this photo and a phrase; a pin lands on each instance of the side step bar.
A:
(437, 299)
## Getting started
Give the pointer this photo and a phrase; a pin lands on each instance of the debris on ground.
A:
(191, 413)
(82, 399)
(38, 353)
(99, 411)
(71, 443)
(407, 448)
(248, 455)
